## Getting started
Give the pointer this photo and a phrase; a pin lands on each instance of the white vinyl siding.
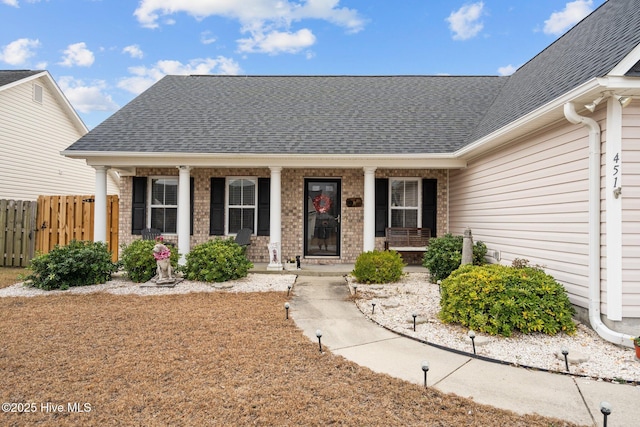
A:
(32, 135)
(631, 210)
(530, 200)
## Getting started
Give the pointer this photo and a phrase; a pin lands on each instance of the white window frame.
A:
(151, 205)
(228, 207)
(419, 199)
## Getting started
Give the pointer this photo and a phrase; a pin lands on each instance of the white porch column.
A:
(100, 206)
(184, 213)
(369, 222)
(275, 219)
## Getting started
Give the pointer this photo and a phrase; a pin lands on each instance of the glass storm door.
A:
(322, 217)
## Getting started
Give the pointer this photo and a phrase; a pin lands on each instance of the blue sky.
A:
(102, 53)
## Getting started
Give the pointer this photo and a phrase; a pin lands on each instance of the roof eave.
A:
(128, 160)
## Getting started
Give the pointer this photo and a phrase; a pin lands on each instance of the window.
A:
(241, 204)
(405, 202)
(164, 204)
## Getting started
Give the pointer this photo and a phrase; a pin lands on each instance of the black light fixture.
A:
(414, 314)
(286, 309)
(425, 369)
(605, 408)
(319, 335)
(355, 289)
(288, 289)
(439, 285)
(373, 307)
(565, 353)
(472, 335)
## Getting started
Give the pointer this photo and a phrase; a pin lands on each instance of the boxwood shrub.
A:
(378, 267)
(217, 260)
(498, 300)
(444, 254)
(138, 261)
(79, 263)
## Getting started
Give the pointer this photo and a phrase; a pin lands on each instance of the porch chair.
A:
(150, 233)
(243, 238)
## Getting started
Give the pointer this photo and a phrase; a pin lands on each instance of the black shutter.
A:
(216, 207)
(382, 205)
(430, 205)
(191, 185)
(264, 206)
(139, 205)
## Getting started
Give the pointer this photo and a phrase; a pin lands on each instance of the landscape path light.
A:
(373, 307)
(565, 353)
(472, 335)
(319, 335)
(425, 369)
(288, 289)
(286, 309)
(355, 289)
(414, 314)
(605, 408)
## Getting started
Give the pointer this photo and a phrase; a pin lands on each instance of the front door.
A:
(322, 218)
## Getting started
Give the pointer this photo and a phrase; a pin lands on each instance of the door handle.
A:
(337, 219)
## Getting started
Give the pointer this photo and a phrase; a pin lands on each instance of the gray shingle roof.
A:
(361, 114)
(10, 76)
(297, 114)
(590, 49)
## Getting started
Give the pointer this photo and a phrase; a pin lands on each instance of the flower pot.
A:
(637, 351)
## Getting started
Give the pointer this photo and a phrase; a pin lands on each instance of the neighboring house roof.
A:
(362, 115)
(11, 76)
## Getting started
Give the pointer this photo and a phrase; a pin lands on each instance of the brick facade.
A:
(292, 244)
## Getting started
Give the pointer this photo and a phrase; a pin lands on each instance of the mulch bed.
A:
(200, 359)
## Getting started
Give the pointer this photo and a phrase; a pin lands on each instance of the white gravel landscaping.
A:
(589, 355)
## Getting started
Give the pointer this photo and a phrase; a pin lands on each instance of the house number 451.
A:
(616, 176)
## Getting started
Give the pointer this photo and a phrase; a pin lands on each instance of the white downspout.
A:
(594, 228)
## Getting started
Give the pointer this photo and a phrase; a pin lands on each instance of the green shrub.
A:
(217, 260)
(497, 299)
(138, 261)
(77, 264)
(444, 254)
(378, 267)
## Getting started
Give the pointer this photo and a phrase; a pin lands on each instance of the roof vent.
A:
(37, 93)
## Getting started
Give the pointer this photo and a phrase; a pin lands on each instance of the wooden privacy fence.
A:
(62, 219)
(17, 232)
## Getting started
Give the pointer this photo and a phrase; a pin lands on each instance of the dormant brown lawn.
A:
(199, 359)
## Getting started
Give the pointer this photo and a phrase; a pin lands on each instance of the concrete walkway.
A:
(321, 302)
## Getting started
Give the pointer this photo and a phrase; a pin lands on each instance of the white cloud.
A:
(144, 77)
(77, 54)
(465, 22)
(277, 42)
(507, 70)
(573, 13)
(14, 3)
(86, 97)
(133, 50)
(207, 38)
(18, 51)
(264, 20)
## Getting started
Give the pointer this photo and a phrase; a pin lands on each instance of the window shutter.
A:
(139, 205)
(382, 205)
(430, 205)
(216, 207)
(264, 206)
(191, 200)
